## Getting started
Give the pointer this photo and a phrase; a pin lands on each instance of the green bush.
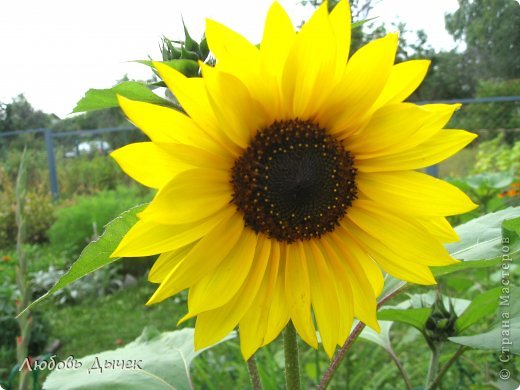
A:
(78, 224)
(497, 156)
(87, 175)
(38, 213)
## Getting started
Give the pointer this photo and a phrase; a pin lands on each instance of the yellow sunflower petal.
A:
(414, 193)
(164, 125)
(439, 227)
(191, 196)
(192, 95)
(439, 147)
(197, 263)
(217, 288)
(232, 104)
(278, 311)
(193, 156)
(398, 127)
(278, 37)
(346, 263)
(403, 80)
(324, 297)
(211, 326)
(393, 263)
(166, 262)
(308, 77)
(148, 164)
(393, 231)
(365, 76)
(147, 238)
(297, 293)
(340, 20)
(228, 46)
(253, 326)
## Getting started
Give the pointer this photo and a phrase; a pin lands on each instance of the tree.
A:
(491, 31)
(20, 115)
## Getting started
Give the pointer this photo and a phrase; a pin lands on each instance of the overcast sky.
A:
(53, 51)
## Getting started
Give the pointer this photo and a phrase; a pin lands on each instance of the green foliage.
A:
(450, 76)
(489, 117)
(89, 175)
(78, 224)
(497, 155)
(506, 331)
(38, 213)
(98, 99)
(20, 115)
(491, 31)
(163, 361)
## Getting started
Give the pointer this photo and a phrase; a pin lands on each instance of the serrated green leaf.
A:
(97, 253)
(481, 306)
(163, 363)
(99, 99)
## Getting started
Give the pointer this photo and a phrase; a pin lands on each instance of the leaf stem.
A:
(253, 374)
(403, 372)
(292, 366)
(445, 368)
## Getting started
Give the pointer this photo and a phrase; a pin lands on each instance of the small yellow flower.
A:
(289, 185)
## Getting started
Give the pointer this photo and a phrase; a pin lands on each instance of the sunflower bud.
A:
(441, 323)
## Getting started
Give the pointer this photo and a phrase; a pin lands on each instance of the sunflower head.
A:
(289, 185)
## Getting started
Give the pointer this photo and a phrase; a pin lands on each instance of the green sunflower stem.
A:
(434, 364)
(254, 376)
(292, 365)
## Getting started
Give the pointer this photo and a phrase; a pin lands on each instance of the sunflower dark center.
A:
(294, 181)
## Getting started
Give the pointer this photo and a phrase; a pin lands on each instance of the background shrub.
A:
(77, 224)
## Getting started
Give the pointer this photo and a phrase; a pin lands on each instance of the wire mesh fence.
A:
(77, 159)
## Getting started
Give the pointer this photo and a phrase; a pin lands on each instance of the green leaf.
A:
(97, 253)
(414, 317)
(491, 180)
(416, 310)
(190, 44)
(98, 99)
(481, 238)
(392, 286)
(495, 339)
(188, 68)
(163, 363)
(506, 331)
(382, 339)
(480, 242)
(482, 306)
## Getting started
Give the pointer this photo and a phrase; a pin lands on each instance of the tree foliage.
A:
(20, 115)
(491, 31)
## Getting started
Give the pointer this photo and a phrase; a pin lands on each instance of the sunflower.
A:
(288, 186)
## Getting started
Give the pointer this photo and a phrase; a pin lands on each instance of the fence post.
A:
(433, 170)
(51, 161)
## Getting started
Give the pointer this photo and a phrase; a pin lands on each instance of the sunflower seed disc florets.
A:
(294, 181)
